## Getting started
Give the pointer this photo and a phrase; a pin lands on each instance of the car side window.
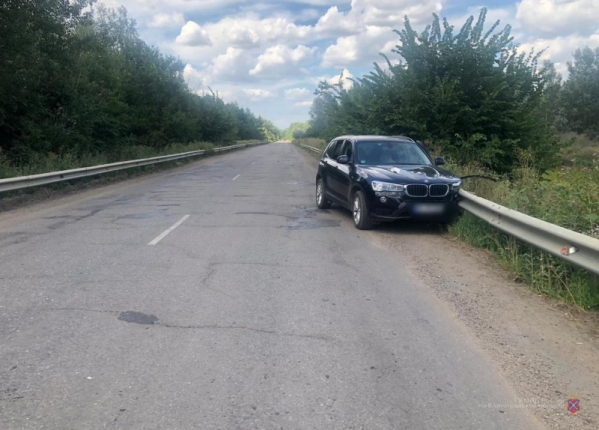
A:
(330, 152)
(338, 149)
(347, 149)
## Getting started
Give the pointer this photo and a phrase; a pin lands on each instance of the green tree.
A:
(469, 92)
(296, 130)
(580, 95)
(77, 80)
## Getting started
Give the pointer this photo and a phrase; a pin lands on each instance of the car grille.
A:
(416, 190)
(438, 190)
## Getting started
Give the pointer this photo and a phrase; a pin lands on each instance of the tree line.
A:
(469, 92)
(76, 79)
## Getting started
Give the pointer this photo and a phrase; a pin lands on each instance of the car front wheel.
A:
(321, 200)
(360, 212)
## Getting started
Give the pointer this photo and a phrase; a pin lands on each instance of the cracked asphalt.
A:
(256, 312)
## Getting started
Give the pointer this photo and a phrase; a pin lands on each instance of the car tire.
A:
(360, 212)
(321, 201)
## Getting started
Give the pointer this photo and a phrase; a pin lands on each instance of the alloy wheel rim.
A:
(319, 193)
(357, 211)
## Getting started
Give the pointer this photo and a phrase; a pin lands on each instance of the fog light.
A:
(383, 199)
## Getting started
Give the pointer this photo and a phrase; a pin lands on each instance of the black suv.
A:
(382, 178)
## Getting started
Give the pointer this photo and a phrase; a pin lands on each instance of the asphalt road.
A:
(256, 312)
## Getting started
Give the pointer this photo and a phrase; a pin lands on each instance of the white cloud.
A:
(336, 23)
(255, 94)
(344, 77)
(242, 37)
(307, 103)
(192, 77)
(392, 12)
(298, 94)
(281, 60)
(193, 35)
(360, 49)
(559, 17)
(250, 31)
(165, 20)
(234, 65)
(560, 49)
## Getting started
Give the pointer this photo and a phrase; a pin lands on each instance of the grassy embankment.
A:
(568, 196)
(54, 163)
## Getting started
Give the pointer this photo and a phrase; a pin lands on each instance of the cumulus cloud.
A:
(344, 77)
(559, 17)
(193, 78)
(560, 49)
(392, 12)
(363, 48)
(255, 94)
(250, 31)
(193, 35)
(165, 20)
(298, 94)
(336, 23)
(281, 60)
(231, 66)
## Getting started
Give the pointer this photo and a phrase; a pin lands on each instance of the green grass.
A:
(54, 163)
(568, 197)
(579, 150)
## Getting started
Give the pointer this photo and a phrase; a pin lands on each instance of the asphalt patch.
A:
(137, 317)
(305, 218)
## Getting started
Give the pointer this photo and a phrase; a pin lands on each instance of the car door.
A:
(341, 174)
(328, 164)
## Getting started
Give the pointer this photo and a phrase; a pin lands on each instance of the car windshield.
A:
(376, 152)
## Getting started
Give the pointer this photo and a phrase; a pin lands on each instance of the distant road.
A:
(216, 296)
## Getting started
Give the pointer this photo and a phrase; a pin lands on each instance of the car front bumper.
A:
(423, 209)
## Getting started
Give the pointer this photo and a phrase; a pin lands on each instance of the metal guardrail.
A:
(569, 245)
(22, 182)
(311, 148)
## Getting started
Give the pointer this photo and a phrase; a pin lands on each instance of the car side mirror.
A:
(343, 159)
(439, 161)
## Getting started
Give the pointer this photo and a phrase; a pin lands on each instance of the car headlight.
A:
(456, 186)
(386, 186)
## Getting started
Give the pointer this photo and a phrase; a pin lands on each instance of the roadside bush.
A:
(568, 197)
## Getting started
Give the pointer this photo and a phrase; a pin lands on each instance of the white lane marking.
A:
(254, 162)
(236, 177)
(166, 232)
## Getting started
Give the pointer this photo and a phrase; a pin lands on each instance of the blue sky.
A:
(269, 55)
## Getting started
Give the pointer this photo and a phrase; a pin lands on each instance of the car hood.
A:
(403, 173)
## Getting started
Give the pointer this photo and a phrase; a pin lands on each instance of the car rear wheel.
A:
(360, 212)
(321, 200)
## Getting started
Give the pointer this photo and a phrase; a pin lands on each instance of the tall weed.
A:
(568, 197)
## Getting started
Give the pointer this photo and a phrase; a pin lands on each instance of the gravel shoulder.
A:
(548, 351)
